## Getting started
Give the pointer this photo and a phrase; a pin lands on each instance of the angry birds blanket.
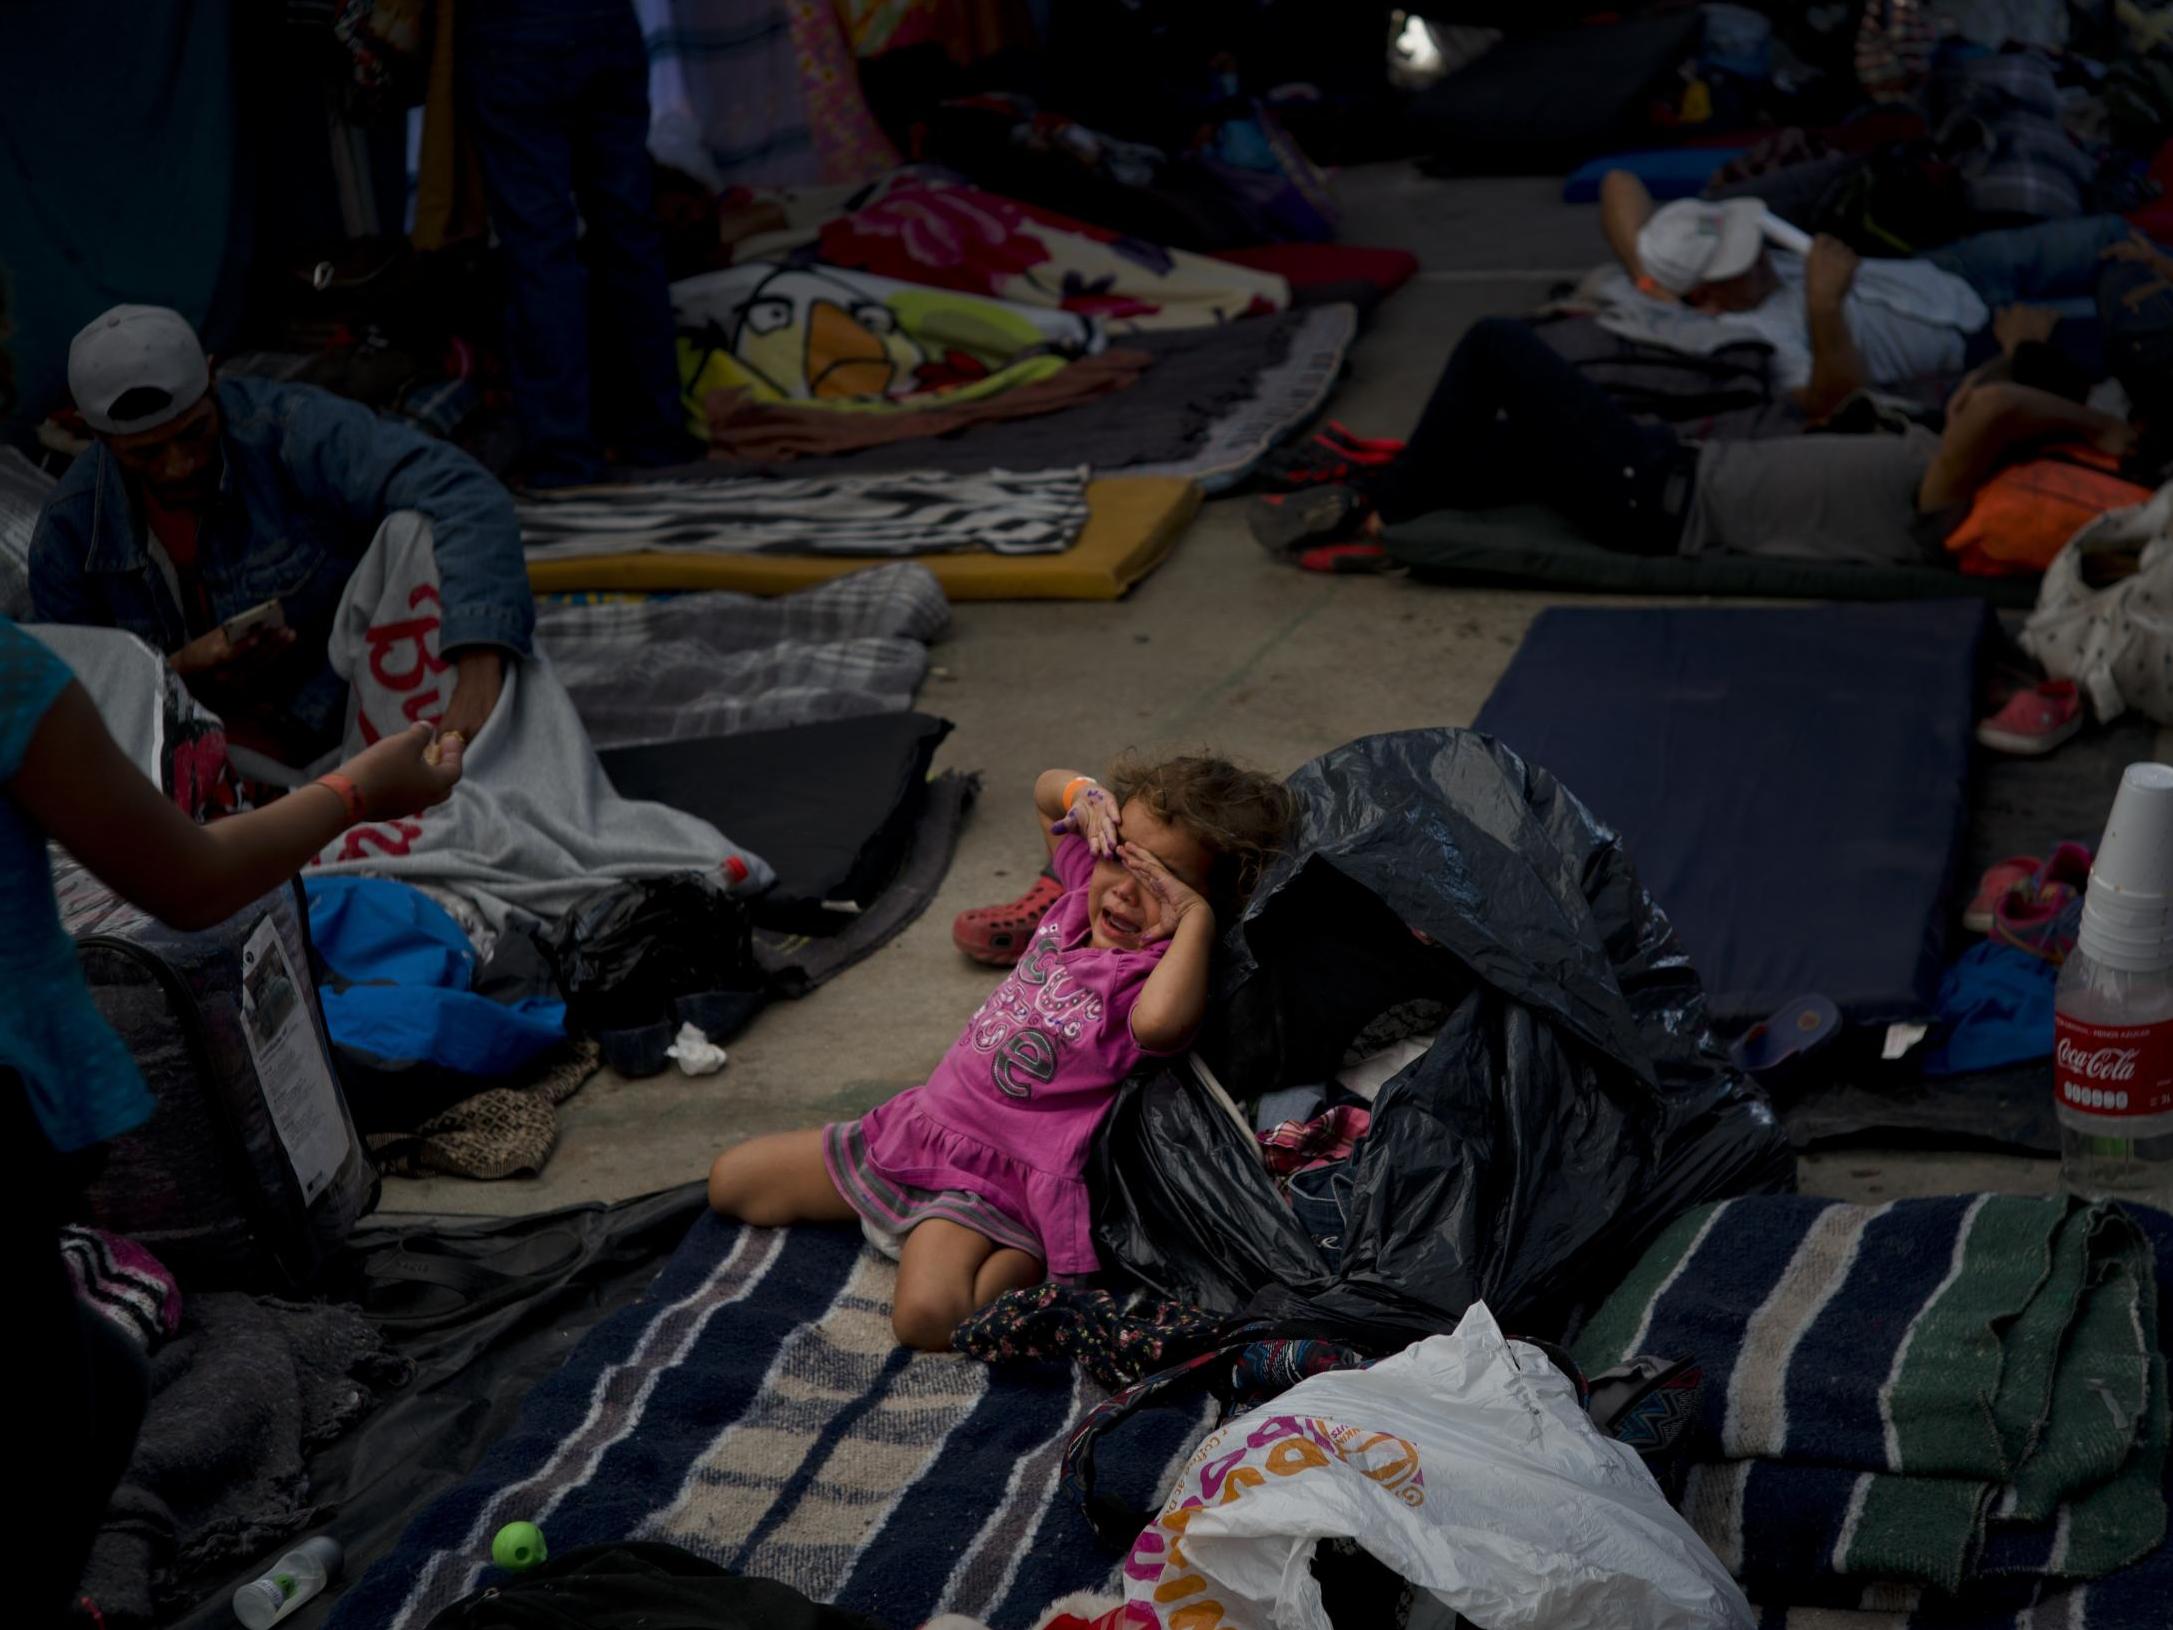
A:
(817, 337)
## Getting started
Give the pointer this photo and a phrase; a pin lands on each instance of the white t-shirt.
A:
(1909, 319)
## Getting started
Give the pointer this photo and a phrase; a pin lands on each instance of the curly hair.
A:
(1243, 816)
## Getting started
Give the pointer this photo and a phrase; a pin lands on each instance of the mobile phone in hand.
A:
(262, 618)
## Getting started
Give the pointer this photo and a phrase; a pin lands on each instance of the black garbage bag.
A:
(640, 1585)
(624, 953)
(1571, 1105)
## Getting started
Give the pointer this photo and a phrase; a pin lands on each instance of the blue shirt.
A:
(308, 478)
(83, 1086)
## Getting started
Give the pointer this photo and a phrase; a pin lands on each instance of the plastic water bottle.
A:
(289, 1582)
(2113, 1024)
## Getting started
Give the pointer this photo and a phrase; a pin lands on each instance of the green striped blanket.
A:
(1930, 1392)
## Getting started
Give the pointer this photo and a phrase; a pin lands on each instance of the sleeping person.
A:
(1512, 422)
(1695, 275)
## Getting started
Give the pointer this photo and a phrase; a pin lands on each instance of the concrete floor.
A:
(1222, 648)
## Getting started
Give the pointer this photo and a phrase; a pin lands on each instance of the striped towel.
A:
(754, 1408)
(911, 512)
(1931, 1392)
(123, 1281)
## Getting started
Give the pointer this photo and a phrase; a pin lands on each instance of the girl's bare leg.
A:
(776, 1179)
(942, 1272)
(1006, 1269)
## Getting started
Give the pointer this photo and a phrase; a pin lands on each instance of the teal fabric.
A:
(82, 1084)
(117, 173)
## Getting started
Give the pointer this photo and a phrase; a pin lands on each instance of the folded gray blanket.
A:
(239, 1399)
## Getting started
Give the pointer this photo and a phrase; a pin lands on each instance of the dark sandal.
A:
(1796, 1031)
(997, 935)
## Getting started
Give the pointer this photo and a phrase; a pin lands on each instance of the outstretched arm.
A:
(1990, 424)
(136, 841)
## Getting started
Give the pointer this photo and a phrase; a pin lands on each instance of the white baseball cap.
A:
(1690, 242)
(132, 348)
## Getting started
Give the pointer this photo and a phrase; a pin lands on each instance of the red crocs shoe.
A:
(997, 935)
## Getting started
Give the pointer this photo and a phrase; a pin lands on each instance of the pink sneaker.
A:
(2042, 914)
(2034, 721)
(2000, 880)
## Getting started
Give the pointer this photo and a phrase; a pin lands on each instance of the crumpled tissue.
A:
(695, 1052)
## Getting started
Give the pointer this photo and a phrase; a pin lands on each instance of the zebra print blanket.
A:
(913, 512)
(1936, 1412)
(754, 1408)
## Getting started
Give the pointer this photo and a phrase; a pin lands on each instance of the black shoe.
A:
(1281, 523)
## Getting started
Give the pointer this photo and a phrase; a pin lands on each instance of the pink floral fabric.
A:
(958, 237)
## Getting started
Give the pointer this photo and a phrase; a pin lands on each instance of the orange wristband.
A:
(1071, 789)
(348, 793)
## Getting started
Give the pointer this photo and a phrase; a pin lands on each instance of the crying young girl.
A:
(974, 1181)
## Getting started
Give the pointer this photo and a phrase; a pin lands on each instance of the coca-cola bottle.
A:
(2113, 1030)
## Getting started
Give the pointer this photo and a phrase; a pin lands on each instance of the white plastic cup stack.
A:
(2127, 915)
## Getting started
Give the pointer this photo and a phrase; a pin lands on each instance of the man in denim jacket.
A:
(202, 502)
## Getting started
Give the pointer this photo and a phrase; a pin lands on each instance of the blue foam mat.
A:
(1668, 172)
(1793, 783)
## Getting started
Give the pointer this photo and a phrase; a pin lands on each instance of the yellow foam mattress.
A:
(1132, 525)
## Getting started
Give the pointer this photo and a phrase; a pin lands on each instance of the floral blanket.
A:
(948, 235)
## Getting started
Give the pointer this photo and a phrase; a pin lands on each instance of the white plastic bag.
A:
(1465, 1465)
(2117, 642)
(695, 1052)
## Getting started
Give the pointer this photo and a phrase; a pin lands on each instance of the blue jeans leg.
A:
(2034, 265)
(638, 408)
(518, 91)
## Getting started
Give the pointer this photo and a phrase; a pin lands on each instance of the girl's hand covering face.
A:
(1176, 898)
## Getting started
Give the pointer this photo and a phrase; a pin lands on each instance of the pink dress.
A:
(998, 1137)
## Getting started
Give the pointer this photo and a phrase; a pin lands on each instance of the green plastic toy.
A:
(518, 1545)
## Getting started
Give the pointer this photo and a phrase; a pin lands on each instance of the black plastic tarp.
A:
(1572, 1103)
(473, 1364)
(830, 804)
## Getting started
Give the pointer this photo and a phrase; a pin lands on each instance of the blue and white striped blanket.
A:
(1941, 1412)
(754, 1408)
